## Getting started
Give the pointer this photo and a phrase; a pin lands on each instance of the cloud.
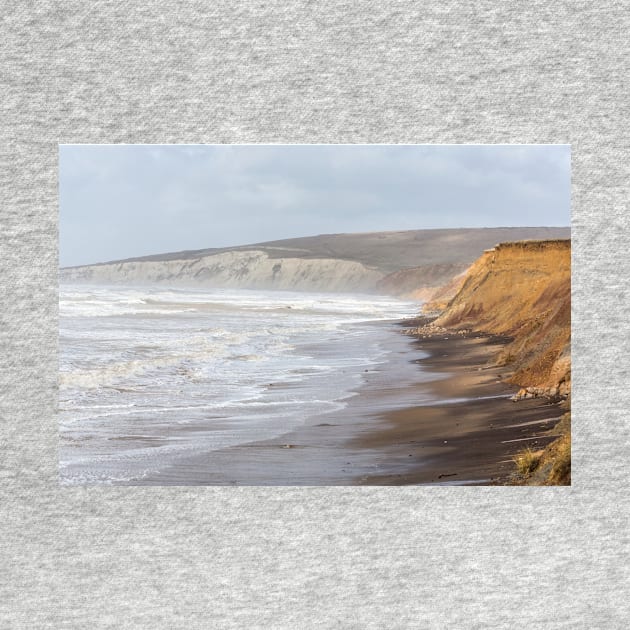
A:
(118, 201)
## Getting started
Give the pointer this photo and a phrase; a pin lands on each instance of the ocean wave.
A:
(188, 370)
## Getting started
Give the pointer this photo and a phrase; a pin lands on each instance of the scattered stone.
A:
(541, 392)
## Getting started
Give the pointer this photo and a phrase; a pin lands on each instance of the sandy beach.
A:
(434, 414)
(470, 431)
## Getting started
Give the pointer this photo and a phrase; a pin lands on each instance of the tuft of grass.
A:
(549, 467)
(526, 462)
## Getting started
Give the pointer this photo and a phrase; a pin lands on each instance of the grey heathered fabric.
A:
(313, 72)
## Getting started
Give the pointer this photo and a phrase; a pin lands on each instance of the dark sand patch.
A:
(468, 441)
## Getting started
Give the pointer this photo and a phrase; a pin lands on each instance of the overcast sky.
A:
(120, 201)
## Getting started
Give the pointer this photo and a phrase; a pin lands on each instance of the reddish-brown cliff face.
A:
(521, 290)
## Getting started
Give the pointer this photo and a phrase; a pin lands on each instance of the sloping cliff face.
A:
(522, 290)
(420, 283)
(438, 299)
(237, 269)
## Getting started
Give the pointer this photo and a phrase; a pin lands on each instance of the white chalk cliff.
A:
(250, 269)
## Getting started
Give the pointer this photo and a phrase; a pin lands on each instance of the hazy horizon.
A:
(127, 201)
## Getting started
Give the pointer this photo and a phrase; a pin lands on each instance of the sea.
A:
(148, 375)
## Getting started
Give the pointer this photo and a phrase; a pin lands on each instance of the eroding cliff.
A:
(522, 291)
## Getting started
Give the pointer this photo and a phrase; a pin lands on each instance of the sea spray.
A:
(150, 374)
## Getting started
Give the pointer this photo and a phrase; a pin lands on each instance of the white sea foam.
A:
(147, 374)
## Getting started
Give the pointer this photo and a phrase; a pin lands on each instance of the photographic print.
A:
(314, 315)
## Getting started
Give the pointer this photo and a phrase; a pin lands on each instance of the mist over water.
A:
(149, 375)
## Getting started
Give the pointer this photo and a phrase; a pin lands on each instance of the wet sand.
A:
(434, 414)
(472, 430)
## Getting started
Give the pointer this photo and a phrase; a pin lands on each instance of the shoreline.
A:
(437, 414)
(470, 434)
